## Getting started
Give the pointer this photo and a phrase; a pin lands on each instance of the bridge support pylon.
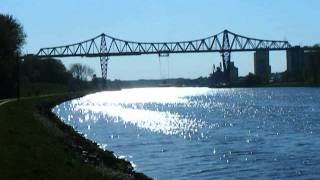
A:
(104, 66)
(104, 58)
(226, 59)
(226, 56)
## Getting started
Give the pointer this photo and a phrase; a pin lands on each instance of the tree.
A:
(34, 70)
(12, 38)
(81, 72)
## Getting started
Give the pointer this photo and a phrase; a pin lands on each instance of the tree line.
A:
(30, 72)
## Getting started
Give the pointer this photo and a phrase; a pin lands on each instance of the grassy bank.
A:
(34, 144)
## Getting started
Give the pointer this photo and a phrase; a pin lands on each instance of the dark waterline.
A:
(201, 133)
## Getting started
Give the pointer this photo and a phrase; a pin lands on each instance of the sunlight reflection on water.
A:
(202, 133)
(127, 106)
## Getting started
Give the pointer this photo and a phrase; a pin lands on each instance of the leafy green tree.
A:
(12, 38)
(34, 70)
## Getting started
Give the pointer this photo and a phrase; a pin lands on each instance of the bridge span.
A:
(105, 46)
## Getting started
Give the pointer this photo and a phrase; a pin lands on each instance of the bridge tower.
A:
(103, 57)
(226, 55)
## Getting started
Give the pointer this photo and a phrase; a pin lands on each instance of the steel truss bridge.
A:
(104, 46)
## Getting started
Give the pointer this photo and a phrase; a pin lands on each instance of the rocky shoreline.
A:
(86, 150)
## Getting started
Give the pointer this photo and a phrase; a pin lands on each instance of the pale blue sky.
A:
(59, 22)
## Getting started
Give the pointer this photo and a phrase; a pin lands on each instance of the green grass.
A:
(33, 89)
(33, 145)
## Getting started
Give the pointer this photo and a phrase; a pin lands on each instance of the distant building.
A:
(311, 58)
(261, 65)
(311, 65)
(217, 76)
(233, 72)
(302, 65)
(295, 60)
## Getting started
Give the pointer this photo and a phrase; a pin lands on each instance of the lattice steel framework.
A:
(104, 58)
(226, 55)
(104, 46)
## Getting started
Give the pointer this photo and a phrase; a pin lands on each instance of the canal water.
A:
(202, 133)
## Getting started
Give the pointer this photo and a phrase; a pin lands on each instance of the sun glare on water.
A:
(129, 106)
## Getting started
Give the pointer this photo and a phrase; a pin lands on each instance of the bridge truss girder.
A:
(105, 46)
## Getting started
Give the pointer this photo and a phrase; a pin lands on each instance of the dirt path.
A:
(4, 101)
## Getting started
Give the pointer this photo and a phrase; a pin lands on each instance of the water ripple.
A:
(202, 133)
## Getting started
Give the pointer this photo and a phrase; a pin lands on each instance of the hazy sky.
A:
(59, 22)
